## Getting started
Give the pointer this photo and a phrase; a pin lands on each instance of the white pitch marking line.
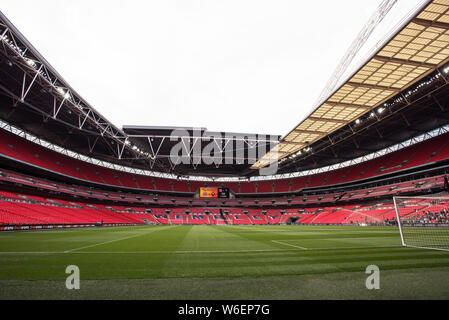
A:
(198, 251)
(30, 252)
(115, 240)
(147, 252)
(290, 229)
(288, 244)
(438, 249)
(264, 230)
(352, 248)
(193, 251)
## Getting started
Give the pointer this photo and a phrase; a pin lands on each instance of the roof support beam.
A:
(27, 89)
(428, 23)
(295, 143)
(372, 86)
(328, 120)
(310, 132)
(349, 105)
(407, 62)
(56, 110)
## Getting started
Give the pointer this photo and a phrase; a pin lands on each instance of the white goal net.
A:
(423, 221)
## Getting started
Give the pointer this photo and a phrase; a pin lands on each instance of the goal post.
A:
(423, 222)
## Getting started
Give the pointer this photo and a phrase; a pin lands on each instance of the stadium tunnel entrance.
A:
(292, 220)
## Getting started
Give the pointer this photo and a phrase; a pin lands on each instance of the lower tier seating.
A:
(22, 209)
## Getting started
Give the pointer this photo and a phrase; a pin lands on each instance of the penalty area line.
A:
(151, 252)
(297, 248)
(115, 240)
(288, 244)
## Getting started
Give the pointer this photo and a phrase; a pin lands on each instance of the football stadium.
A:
(352, 203)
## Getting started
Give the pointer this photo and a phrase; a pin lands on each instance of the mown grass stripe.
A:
(115, 240)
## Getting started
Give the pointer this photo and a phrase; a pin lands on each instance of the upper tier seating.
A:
(20, 149)
(149, 200)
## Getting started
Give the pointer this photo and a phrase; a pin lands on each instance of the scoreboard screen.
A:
(214, 192)
(208, 192)
(223, 193)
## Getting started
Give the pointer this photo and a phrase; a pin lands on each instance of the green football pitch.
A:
(219, 262)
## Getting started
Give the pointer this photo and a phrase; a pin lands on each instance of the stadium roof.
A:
(36, 99)
(193, 151)
(39, 95)
(416, 51)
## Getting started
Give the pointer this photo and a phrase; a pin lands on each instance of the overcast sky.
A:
(251, 66)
